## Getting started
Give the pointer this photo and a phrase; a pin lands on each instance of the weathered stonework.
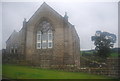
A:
(66, 44)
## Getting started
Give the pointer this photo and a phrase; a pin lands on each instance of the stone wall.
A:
(65, 49)
(111, 67)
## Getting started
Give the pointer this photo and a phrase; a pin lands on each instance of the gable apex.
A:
(44, 7)
(44, 4)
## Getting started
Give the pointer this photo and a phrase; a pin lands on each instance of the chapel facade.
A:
(46, 40)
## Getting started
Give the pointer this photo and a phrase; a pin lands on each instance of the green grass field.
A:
(27, 72)
(114, 55)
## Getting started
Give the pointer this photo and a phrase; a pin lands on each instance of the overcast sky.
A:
(88, 17)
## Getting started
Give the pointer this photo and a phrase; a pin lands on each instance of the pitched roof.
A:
(13, 33)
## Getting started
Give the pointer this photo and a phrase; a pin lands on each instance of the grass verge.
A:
(27, 72)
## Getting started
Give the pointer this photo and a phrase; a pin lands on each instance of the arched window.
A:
(44, 36)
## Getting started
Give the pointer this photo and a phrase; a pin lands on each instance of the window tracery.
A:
(44, 36)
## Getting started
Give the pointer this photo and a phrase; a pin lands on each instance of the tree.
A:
(103, 41)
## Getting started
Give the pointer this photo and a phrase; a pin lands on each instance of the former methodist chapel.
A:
(47, 40)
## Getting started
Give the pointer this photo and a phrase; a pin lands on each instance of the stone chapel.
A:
(46, 40)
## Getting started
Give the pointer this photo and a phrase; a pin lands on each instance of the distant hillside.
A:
(115, 52)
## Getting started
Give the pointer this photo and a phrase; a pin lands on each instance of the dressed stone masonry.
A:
(46, 40)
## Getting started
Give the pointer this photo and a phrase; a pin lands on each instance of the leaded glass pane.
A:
(44, 40)
(50, 45)
(44, 44)
(38, 45)
(39, 38)
(49, 37)
(44, 36)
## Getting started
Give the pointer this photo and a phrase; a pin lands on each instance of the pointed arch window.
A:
(44, 36)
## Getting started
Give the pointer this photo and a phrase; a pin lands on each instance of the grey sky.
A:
(0, 25)
(86, 16)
